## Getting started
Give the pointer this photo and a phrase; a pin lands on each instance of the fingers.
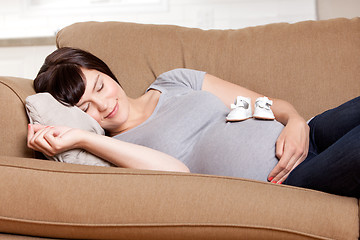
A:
(279, 151)
(281, 177)
(286, 175)
(282, 168)
(33, 128)
(30, 133)
(37, 127)
(38, 142)
(291, 158)
(279, 147)
(40, 138)
(51, 140)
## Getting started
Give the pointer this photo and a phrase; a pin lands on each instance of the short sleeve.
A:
(180, 77)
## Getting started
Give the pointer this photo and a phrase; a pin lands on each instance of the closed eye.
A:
(86, 107)
(101, 87)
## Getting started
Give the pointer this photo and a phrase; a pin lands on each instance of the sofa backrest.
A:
(313, 64)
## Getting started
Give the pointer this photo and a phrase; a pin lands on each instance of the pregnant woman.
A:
(179, 124)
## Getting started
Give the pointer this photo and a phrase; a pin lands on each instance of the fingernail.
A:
(273, 181)
(270, 179)
(29, 126)
(279, 182)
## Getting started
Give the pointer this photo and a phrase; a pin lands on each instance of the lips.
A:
(113, 112)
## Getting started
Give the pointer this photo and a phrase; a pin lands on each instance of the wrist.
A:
(82, 138)
(284, 112)
(296, 118)
(298, 122)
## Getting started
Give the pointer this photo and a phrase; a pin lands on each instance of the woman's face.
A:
(104, 100)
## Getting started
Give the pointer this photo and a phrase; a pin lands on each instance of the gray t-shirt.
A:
(189, 124)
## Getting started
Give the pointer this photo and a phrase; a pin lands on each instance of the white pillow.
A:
(43, 108)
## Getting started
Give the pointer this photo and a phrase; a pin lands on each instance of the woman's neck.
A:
(140, 109)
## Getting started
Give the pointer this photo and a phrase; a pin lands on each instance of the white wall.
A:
(19, 18)
(33, 18)
(23, 61)
(338, 8)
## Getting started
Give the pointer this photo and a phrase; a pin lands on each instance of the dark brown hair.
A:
(61, 74)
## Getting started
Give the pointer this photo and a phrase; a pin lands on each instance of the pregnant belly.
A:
(242, 149)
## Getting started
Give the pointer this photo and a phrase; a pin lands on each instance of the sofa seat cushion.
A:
(59, 200)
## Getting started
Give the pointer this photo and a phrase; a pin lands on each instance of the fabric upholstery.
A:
(13, 119)
(88, 202)
(312, 64)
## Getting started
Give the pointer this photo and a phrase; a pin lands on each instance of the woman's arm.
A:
(293, 142)
(54, 140)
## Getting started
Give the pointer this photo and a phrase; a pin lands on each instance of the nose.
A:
(101, 104)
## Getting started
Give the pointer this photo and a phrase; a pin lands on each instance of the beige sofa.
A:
(314, 65)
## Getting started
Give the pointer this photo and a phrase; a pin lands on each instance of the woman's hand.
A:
(52, 140)
(291, 149)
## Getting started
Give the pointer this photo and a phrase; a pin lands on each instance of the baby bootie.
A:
(262, 109)
(240, 110)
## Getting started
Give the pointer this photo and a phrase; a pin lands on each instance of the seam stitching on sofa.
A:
(164, 174)
(161, 225)
(175, 174)
(12, 91)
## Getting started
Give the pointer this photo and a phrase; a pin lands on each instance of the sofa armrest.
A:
(13, 119)
(51, 199)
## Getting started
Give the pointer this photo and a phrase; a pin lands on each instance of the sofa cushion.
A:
(71, 201)
(44, 109)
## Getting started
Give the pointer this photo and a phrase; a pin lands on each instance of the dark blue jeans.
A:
(333, 162)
